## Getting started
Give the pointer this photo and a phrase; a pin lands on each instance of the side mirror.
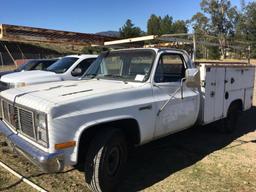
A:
(192, 78)
(76, 72)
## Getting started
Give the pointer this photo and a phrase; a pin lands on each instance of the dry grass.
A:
(193, 160)
(10, 183)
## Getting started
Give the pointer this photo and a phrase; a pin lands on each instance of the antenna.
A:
(249, 54)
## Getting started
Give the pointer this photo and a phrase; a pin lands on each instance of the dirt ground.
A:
(198, 159)
(194, 160)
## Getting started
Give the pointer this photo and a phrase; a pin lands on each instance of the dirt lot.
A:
(194, 160)
(199, 159)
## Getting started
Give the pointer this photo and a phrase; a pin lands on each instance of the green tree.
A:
(250, 26)
(246, 26)
(153, 25)
(213, 53)
(166, 25)
(128, 30)
(180, 26)
(223, 19)
(158, 26)
(200, 24)
(94, 50)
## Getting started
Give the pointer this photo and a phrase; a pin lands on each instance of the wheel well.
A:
(129, 127)
(238, 103)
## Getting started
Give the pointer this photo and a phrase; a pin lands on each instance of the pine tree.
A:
(129, 30)
(153, 25)
(166, 25)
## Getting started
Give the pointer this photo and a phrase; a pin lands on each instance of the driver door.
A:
(179, 113)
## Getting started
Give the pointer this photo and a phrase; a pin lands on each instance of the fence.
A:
(6, 59)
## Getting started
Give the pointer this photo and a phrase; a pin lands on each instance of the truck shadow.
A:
(156, 161)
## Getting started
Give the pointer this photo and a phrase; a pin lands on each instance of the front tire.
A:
(105, 160)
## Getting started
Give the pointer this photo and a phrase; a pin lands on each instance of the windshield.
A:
(36, 65)
(62, 65)
(130, 65)
(26, 66)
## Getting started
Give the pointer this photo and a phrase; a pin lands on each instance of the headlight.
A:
(20, 84)
(11, 85)
(41, 128)
(16, 85)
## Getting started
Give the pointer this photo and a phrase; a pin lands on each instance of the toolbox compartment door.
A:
(214, 94)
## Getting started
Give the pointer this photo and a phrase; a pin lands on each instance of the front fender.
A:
(87, 125)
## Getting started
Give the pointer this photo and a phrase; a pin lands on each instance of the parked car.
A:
(33, 64)
(127, 98)
(66, 68)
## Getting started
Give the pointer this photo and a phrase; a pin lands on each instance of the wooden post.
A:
(10, 55)
(194, 48)
(22, 55)
(249, 54)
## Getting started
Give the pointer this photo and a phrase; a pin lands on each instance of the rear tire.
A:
(231, 121)
(105, 160)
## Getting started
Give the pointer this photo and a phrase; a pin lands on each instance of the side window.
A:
(81, 68)
(46, 64)
(171, 68)
(39, 66)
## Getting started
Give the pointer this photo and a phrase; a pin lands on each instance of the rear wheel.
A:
(231, 121)
(105, 160)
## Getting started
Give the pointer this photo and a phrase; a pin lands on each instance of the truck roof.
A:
(84, 56)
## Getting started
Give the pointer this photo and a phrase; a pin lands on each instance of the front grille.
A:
(5, 110)
(13, 116)
(19, 118)
(26, 122)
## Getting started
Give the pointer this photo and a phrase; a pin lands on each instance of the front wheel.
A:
(105, 160)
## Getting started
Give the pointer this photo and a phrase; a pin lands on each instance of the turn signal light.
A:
(65, 145)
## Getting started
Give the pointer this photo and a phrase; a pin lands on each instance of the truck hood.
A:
(60, 93)
(2, 73)
(30, 77)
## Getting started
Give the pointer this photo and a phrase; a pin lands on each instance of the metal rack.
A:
(182, 38)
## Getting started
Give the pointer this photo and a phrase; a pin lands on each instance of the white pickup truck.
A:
(67, 68)
(129, 97)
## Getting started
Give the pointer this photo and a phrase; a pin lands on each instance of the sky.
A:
(95, 15)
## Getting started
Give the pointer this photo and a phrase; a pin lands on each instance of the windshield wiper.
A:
(112, 75)
(116, 76)
(90, 76)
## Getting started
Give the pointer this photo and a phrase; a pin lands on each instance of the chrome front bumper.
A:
(47, 162)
